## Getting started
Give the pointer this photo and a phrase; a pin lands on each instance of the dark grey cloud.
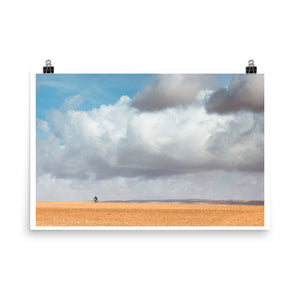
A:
(172, 90)
(245, 92)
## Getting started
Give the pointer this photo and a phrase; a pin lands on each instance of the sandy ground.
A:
(149, 214)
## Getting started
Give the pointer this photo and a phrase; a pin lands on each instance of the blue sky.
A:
(96, 89)
(149, 136)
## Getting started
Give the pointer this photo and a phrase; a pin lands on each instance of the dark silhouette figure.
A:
(95, 199)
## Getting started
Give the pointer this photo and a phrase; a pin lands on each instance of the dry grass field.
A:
(146, 214)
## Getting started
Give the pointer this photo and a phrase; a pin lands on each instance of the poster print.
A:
(149, 151)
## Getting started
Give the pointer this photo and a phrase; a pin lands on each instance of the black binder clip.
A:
(251, 68)
(48, 68)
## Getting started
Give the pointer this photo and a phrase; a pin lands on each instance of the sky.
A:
(150, 136)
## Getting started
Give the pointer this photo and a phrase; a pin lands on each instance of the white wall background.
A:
(150, 36)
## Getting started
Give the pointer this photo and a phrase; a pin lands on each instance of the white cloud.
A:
(120, 141)
(42, 125)
(73, 102)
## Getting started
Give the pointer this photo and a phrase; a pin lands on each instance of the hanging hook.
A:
(251, 67)
(48, 68)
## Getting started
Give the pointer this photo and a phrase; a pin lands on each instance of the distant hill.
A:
(196, 201)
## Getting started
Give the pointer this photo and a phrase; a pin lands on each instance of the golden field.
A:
(146, 214)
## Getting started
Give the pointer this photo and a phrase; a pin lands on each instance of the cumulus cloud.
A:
(172, 90)
(245, 92)
(118, 140)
